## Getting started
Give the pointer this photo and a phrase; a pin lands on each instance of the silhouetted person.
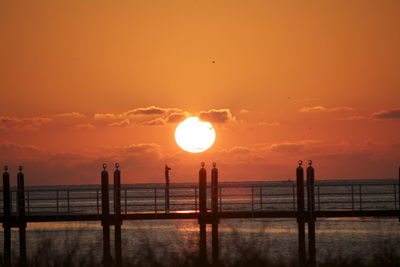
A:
(167, 169)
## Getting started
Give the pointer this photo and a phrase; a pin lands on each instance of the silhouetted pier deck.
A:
(13, 220)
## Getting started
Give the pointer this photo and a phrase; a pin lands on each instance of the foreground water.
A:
(273, 238)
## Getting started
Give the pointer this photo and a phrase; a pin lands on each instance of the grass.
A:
(75, 251)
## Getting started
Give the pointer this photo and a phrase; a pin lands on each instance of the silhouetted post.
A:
(203, 211)
(300, 213)
(105, 212)
(21, 217)
(399, 194)
(7, 214)
(311, 217)
(167, 169)
(214, 208)
(117, 211)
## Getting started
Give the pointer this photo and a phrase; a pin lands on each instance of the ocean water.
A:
(273, 238)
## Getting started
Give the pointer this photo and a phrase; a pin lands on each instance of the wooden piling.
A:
(300, 214)
(215, 220)
(105, 221)
(203, 213)
(21, 217)
(117, 214)
(311, 218)
(7, 214)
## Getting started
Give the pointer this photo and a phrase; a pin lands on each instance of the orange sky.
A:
(87, 82)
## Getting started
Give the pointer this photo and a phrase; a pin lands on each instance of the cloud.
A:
(70, 115)
(154, 122)
(313, 109)
(177, 117)
(293, 146)
(356, 118)
(288, 147)
(85, 126)
(151, 110)
(142, 148)
(153, 116)
(12, 153)
(23, 124)
(149, 116)
(387, 114)
(217, 115)
(123, 123)
(105, 116)
(67, 158)
(143, 162)
(238, 150)
(325, 109)
(157, 115)
(342, 108)
(69, 119)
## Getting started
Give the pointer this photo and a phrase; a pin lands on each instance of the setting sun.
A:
(194, 135)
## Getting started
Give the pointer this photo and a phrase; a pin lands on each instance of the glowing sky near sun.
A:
(87, 82)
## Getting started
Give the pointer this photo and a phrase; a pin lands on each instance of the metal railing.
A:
(231, 198)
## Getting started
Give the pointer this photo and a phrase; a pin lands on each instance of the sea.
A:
(276, 239)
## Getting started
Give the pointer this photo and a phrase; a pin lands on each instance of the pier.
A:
(209, 202)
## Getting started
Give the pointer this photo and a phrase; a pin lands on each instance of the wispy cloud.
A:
(85, 126)
(154, 122)
(387, 114)
(151, 110)
(70, 114)
(288, 147)
(293, 146)
(122, 123)
(147, 116)
(356, 118)
(177, 117)
(217, 115)
(23, 124)
(325, 109)
(106, 116)
(144, 160)
(244, 111)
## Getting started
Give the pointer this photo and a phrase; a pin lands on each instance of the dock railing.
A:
(355, 196)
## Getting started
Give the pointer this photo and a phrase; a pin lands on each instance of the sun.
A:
(194, 135)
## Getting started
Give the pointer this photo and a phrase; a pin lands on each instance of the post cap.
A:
(117, 165)
(20, 168)
(214, 164)
(202, 164)
(104, 166)
(5, 168)
(300, 162)
(310, 162)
